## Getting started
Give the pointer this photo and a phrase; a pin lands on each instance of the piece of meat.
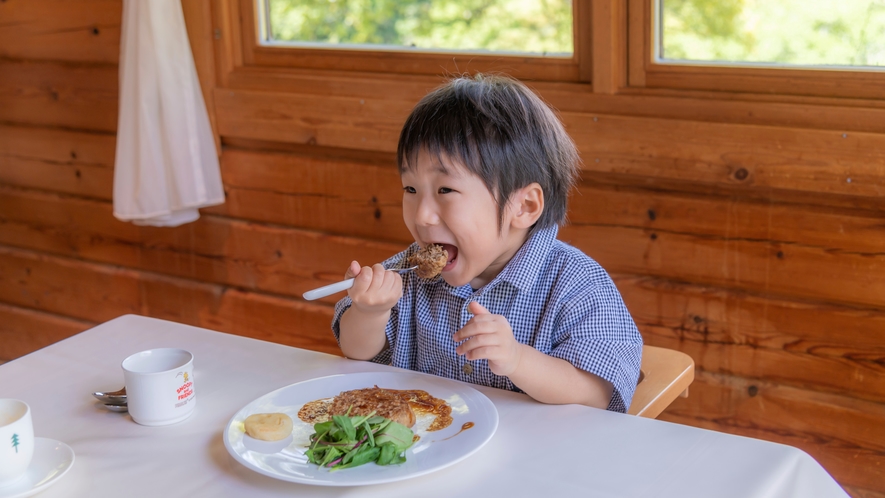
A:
(431, 259)
(385, 403)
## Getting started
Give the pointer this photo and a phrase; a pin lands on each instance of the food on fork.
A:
(384, 403)
(430, 259)
(268, 426)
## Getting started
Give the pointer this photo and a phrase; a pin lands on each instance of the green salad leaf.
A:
(346, 442)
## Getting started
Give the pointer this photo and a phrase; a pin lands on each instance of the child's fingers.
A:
(374, 275)
(393, 283)
(387, 279)
(478, 325)
(480, 341)
(375, 287)
(477, 309)
(362, 281)
(500, 349)
(353, 270)
(484, 353)
(379, 276)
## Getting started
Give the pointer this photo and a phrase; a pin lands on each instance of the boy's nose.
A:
(427, 214)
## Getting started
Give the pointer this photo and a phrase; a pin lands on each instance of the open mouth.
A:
(452, 258)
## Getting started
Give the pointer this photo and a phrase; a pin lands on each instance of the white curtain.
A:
(166, 164)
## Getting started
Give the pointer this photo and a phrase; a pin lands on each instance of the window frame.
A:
(576, 68)
(614, 55)
(645, 71)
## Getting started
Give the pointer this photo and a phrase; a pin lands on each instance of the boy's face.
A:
(452, 207)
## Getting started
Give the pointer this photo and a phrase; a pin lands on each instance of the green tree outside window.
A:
(800, 32)
(542, 27)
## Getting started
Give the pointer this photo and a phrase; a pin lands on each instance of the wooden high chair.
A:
(663, 375)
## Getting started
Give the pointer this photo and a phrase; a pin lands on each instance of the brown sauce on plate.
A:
(467, 425)
(423, 402)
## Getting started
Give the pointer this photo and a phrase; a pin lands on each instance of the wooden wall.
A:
(748, 234)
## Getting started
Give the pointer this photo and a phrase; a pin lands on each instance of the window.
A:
(788, 48)
(775, 32)
(816, 48)
(528, 39)
(526, 27)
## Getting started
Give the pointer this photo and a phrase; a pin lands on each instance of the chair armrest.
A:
(666, 374)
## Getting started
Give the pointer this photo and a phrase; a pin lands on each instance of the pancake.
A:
(385, 403)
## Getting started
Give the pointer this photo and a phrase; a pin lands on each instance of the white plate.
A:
(52, 460)
(285, 459)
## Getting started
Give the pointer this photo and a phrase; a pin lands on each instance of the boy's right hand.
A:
(375, 290)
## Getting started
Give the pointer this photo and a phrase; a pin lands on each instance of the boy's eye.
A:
(445, 190)
(409, 190)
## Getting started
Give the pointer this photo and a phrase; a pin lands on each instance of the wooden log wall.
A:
(748, 234)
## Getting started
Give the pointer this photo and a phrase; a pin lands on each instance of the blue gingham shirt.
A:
(556, 299)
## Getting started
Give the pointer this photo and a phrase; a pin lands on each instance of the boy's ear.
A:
(528, 204)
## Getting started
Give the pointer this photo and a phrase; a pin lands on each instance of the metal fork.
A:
(328, 290)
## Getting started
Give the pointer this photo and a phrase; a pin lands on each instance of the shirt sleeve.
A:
(384, 357)
(340, 307)
(597, 334)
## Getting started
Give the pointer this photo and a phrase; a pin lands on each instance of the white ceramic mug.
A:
(16, 440)
(160, 386)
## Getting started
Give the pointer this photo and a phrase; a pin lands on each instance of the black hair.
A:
(500, 131)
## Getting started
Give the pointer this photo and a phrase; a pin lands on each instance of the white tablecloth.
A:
(597, 453)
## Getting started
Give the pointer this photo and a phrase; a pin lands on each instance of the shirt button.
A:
(467, 369)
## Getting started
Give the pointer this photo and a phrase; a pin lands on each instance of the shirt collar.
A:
(523, 268)
(527, 264)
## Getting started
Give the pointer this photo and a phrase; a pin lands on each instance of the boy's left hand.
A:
(490, 337)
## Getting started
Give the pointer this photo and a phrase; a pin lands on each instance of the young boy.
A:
(486, 169)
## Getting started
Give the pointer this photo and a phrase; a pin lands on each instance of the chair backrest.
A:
(665, 374)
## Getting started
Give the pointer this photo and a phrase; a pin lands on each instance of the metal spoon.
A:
(113, 397)
(117, 408)
(330, 289)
